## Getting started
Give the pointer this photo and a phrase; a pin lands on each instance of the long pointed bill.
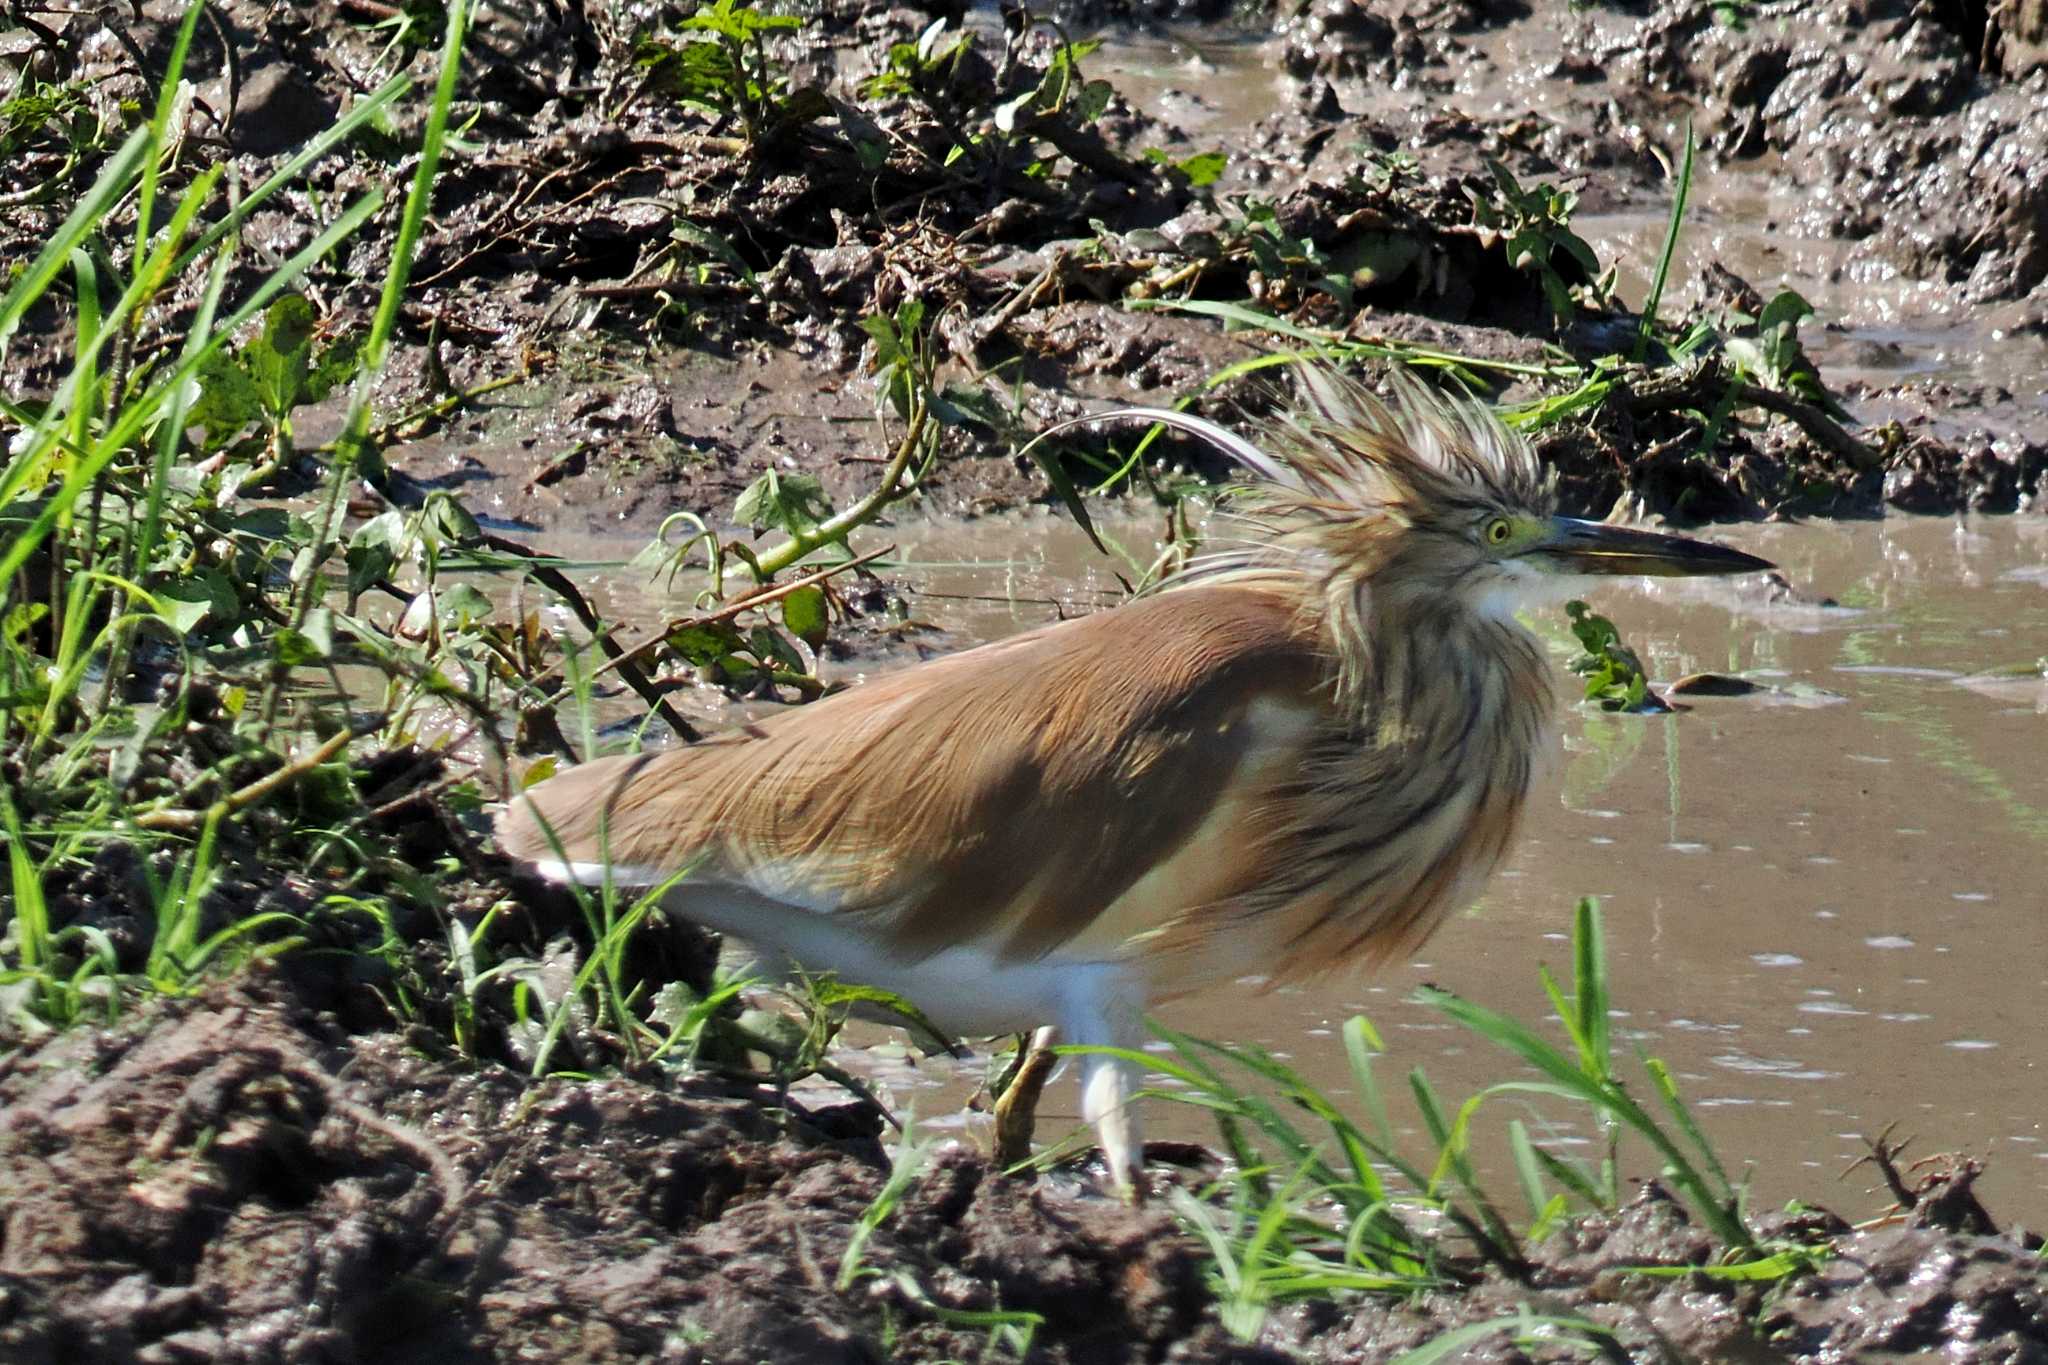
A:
(1591, 547)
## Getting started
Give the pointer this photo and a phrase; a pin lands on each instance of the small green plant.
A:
(413, 26)
(1614, 674)
(1539, 1333)
(924, 69)
(1199, 169)
(1386, 170)
(904, 362)
(723, 68)
(1775, 355)
(58, 113)
(905, 1164)
(151, 622)
(1647, 325)
(1534, 227)
(1062, 93)
(286, 365)
(1308, 1213)
(1586, 1075)
(1013, 135)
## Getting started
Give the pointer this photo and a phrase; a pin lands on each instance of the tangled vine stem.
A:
(187, 820)
(837, 528)
(745, 602)
(1700, 386)
(635, 677)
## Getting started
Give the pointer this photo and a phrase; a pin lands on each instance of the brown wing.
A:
(1087, 781)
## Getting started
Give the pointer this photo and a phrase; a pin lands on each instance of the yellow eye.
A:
(1498, 531)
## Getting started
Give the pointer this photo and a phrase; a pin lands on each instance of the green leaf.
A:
(1203, 168)
(375, 549)
(1093, 99)
(705, 646)
(319, 631)
(367, 566)
(277, 358)
(449, 522)
(296, 649)
(888, 343)
(460, 606)
(805, 615)
(835, 992)
(337, 365)
(715, 246)
(185, 605)
(795, 503)
(771, 646)
(1786, 309)
(1006, 113)
(228, 401)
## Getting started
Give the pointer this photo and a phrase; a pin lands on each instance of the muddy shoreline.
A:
(654, 277)
(631, 301)
(241, 1178)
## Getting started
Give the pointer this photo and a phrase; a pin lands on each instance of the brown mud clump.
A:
(668, 285)
(236, 1178)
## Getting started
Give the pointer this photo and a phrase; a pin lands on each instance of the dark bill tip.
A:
(1593, 547)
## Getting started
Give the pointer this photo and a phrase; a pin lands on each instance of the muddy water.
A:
(1825, 903)
(1825, 906)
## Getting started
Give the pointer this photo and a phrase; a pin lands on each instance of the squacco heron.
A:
(1300, 755)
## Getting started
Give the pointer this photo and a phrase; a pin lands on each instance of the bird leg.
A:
(1017, 1107)
(1104, 1008)
(1106, 1104)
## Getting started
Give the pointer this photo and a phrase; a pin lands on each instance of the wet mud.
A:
(654, 271)
(242, 1178)
(281, 1170)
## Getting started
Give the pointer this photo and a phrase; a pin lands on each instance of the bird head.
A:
(1434, 499)
(1429, 501)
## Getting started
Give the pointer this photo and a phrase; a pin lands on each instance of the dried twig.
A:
(634, 676)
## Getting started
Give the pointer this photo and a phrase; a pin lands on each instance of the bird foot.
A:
(1016, 1109)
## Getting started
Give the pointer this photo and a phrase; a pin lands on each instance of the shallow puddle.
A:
(1824, 903)
(1824, 915)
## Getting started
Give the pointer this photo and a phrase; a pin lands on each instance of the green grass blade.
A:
(1604, 1096)
(140, 412)
(904, 1165)
(1528, 1167)
(1567, 1011)
(1589, 987)
(92, 208)
(31, 911)
(1569, 1175)
(352, 447)
(1778, 1265)
(160, 127)
(1237, 314)
(1667, 1091)
(171, 435)
(1647, 324)
(361, 113)
(1361, 1044)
